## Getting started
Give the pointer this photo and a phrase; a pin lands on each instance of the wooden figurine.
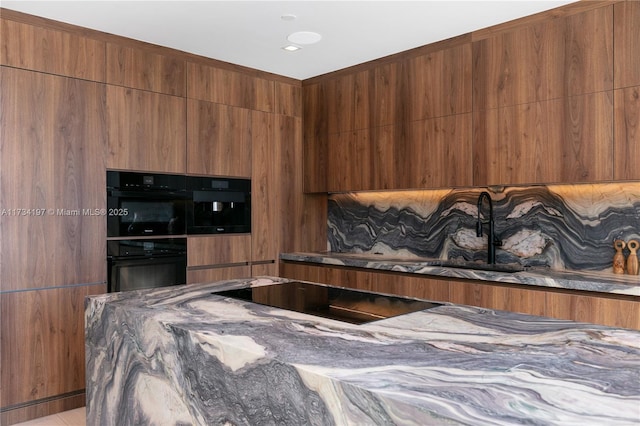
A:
(618, 258)
(632, 260)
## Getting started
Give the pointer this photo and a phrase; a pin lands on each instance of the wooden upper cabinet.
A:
(566, 140)
(350, 161)
(366, 99)
(54, 52)
(557, 58)
(315, 134)
(218, 139)
(228, 87)
(339, 99)
(146, 131)
(438, 153)
(627, 133)
(439, 83)
(627, 44)
(144, 70)
(288, 99)
(52, 137)
(627, 96)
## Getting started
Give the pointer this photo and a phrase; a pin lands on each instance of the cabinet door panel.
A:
(143, 70)
(627, 44)
(350, 161)
(54, 52)
(440, 83)
(315, 138)
(146, 131)
(264, 269)
(229, 88)
(627, 133)
(566, 141)
(288, 98)
(209, 275)
(52, 140)
(218, 139)
(42, 347)
(218, 249)
(598, 310)
(438, 153)
(557, 58)
(265, 186)
(339, 97)
(379, 97)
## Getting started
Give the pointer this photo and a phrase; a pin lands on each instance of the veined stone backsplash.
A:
(560, 226)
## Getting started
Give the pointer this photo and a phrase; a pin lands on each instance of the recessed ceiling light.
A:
(288, 17)
(304, 37)
(291, 48)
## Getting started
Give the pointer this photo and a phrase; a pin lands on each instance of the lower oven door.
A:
(135, 273)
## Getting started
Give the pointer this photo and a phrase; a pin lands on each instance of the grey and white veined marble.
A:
(560, 226)
(590, 281)
(179, 355)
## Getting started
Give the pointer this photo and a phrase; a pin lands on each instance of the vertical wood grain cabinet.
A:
(146, 130)
(145, 70)
(76, 102)
(543, 102)
(54, 52)
(626, 69)
(216, 257)
(52, 137)
(218, 139)
(547, 99)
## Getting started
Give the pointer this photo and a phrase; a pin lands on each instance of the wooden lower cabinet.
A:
(207, 275)
(218, 257)
(269, 269)
(597, 308)
(619, 312)
(216, 250)
(42, 351)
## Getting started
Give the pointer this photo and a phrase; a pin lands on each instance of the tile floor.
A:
(75, 417)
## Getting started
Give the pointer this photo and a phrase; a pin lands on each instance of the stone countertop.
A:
(181, 355)
(601, 282)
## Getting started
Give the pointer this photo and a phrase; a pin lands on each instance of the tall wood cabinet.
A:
(52, 254)
(76, 102)
(627, 90)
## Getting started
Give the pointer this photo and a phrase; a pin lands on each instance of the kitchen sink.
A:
(429, 261)
(338, 303)
(497, 267)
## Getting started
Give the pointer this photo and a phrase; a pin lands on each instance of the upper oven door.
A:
(145, 212)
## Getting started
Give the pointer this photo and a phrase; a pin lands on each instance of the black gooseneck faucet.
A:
(492, 240)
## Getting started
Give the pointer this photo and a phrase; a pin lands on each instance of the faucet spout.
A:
(491, 237)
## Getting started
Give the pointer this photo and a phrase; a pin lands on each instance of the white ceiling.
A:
(252, 33)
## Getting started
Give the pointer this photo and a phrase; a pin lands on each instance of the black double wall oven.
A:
(149, 216)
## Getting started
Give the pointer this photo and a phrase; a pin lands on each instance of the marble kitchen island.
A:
(181, 355)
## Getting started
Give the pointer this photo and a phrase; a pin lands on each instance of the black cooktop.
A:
(352, 306)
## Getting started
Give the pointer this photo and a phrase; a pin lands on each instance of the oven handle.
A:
(149, 258)
(153, 193)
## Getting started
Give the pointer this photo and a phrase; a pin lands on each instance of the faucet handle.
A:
(497, 242)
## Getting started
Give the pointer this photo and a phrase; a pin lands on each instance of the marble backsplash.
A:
(560, 226)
